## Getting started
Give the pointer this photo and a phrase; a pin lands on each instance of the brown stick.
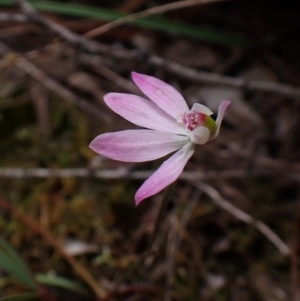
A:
(243, 216)
(120, 173)
(51, 84)
(146, 13)
(68, 35)
(9, 17)
(213, 78)
(179, 70)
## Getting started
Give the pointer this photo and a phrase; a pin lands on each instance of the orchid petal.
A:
(221, 111)
(142, 112)
(166, 174)
(200, 135)
(162, 94)
(137, 145)
(199, 108)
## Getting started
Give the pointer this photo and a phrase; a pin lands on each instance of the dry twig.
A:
(146, 13)
(245, 217)
(214, 78)
(40, 99)
(50, 240)
(125, 173)
(115, 78)
(122, 172)
(8, 17)
(179, 70)
(68, 35)
(51, 84)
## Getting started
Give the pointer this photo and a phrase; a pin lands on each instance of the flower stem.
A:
(161, 213)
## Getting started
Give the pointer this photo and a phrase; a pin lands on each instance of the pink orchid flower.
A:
(170, 126)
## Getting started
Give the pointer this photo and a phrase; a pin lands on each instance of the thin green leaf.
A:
(61, 282)
(23, 297)
(12, 263)
(157, 23)
(5, 247)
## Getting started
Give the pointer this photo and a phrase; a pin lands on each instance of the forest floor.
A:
(230, 227)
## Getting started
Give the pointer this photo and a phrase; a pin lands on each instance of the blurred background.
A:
(69, 227)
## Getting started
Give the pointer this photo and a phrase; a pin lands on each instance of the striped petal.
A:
(142, 112)
(137, 145)
(162, 94)
(166, 174)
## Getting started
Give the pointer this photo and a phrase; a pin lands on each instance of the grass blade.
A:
(61, 282)
(12, 263)
(23, 297)
(157, 23)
